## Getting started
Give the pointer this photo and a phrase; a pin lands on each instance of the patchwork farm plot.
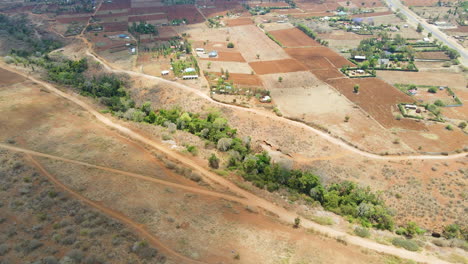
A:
(293, 37)
(377, 98)
(276, 66)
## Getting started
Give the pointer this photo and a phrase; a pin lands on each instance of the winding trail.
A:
(129, 174)
(283, 214)
(114, 214)
(333, 140)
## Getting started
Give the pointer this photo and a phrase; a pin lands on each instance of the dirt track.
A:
(138, 227)
(275, 118)
(282, 213)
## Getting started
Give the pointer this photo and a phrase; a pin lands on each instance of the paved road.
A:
(414, 19)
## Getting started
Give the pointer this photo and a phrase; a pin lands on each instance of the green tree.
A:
(230, 45)
(420, 28)
(213, 161)
(297, 222)
(356, 88)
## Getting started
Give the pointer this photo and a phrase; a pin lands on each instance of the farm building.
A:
(361, 58)
(410, 106)
(164, 72)
(190, 70)
(200, 50)
(383, 61)
(189, 77)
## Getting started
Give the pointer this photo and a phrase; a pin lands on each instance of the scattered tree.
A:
(280, 79)
(297, 222)
(214, 161)
(356, 88)
(420, 28)
(230, 45)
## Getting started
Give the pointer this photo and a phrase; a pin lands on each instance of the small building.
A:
(190, 77)
(123, 36)
(413, 91)
(133, 50)
(200, 50)
(360, 71)
(410, 106)
(383, 61)
(164, 72)
(265, 99)
(213, 54)
(426, 40)
(189, 70)
(361, 58)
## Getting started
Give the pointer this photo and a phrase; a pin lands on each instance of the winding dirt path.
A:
(130, 174)
(322, 134)
(114, 214)
(282, 213)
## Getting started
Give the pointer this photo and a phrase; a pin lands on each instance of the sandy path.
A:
(116, 215)
(282, 213)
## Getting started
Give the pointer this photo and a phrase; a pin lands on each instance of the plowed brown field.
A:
(277, 66)
(379, 99)
(309, 56)
(293, 37)
(239, 22)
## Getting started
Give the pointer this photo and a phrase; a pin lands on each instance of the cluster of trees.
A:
(20, 29)
(109, 88)
(142, 28)
(309, 32)
(178, 66)
(344, 198)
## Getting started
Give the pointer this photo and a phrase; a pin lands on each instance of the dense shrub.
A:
(362, 231)
(405, 243)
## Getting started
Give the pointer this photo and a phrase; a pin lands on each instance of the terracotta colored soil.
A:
(184, 11)
(379, 99)
(239, 21)
(227, 56)
(112, 27)
(147, 17)
(308, 56)
(243, 79)
(327, 74)
(69, 19)
(277, 66)
(311, 14)
(147, 10)
(293, 37)
(269, 4)
(8, 78)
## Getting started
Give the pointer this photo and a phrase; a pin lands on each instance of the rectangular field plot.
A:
(293, 37)
(277, 66)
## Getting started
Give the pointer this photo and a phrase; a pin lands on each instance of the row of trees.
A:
(344, 198)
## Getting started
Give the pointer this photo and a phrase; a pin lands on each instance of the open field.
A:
(293, 38)
(181, 220)
(452, 80)
(378, 99)
(309, 56)
(227, 56)
(238, 22)
(436, 55)
(277, 66)
(232, 67)
(251, 41)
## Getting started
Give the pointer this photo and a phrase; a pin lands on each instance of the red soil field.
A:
(221, 8)
(117, 26)
(277, 66)
(436, 55)
(243, 79)
(239, 22)
(146, 17)
(188, 12)
(326, 74)
(147, 10)
(293, 37)
(111, 15)
(313, 7)
(373, 14)
(68, 19)
(115, 5)
(227, 56)
(309, 56)
(379, 99)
